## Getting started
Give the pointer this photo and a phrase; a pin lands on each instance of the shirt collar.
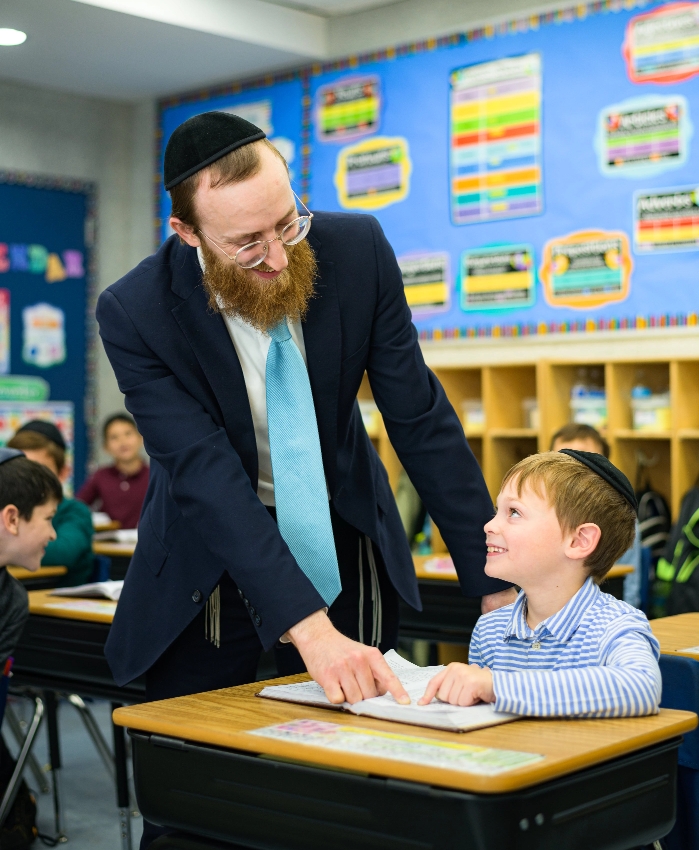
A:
(562, 625)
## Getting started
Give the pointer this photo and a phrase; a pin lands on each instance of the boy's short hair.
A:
(35, 441)
(578, 431)
(26, 485)
(117, 417)
(579, 495)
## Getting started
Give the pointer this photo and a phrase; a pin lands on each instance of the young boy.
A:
(42, 442)
(563, 648)
(29, 496)
(119, 490)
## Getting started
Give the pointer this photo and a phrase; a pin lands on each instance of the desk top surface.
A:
(678, 635)
(43, 604)
(22, 574)
(440, 568)
(113, 549)
(225, 718)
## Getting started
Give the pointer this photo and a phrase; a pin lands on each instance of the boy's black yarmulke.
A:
(48, 429)
(605, 469)
(9, 454)
(203, 139)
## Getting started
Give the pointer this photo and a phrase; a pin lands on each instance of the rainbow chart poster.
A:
(666, 220)
(644, 135)
(496, 140)
(348, 109)
(662, 46)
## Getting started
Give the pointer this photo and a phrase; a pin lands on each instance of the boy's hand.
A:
(460, 684)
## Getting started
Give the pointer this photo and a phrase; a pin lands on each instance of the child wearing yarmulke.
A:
(563, 648)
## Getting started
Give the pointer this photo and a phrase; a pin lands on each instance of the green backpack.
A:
(676, 585)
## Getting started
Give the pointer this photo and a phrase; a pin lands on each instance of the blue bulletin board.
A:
(533, 177)
(47, 229)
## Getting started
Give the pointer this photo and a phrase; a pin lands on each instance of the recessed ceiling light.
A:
(9, 37)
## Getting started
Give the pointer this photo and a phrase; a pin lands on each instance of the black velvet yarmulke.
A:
(203, 139)
(604, 468)
(48, 429)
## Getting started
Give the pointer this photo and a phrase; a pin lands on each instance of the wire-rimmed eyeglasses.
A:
(253, 254)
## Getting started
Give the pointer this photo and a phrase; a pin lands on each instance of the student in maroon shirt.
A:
(119, 490)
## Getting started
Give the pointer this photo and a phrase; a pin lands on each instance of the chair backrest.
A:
(101, 568)
(5, 686)
(681, 690)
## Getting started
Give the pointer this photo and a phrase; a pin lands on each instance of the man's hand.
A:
(460, 684)
(346, 670)
(498, 600)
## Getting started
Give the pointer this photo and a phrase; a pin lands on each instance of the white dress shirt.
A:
(252, 347)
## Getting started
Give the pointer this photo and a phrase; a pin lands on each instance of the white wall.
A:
(53, 133)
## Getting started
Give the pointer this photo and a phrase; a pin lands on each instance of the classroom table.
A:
(678, 635)
(62, 651)
(447, 615)
(120, 555)
(41, 579)
(198, 770)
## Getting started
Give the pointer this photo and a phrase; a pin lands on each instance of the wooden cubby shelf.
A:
(524, 404)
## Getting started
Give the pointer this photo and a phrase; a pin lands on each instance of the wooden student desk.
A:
(448, 616)
(62, 651)
(44, 577)
(120, 555)
(678, 635)
(198, 770)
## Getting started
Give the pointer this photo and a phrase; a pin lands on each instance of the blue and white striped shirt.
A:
(596, 657)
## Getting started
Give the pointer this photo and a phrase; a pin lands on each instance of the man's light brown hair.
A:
(34, 441)
(579, 495)
(234, 167)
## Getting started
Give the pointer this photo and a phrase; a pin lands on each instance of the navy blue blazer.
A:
(184, 385)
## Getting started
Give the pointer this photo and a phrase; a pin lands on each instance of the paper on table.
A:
(96, 590)
(690, 649)
(118, 535)
(87, 606)
(436, 715)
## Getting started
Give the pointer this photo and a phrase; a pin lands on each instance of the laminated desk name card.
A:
(436, 715)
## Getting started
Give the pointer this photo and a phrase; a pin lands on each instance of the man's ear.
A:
(9, 520)
(185, 232)
(583, 541)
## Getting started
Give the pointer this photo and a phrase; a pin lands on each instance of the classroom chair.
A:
(25, 750)
(681, 690)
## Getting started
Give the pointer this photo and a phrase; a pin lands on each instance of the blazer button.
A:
(196, 596)
(241, 594)
(252, 611)
(258, 620)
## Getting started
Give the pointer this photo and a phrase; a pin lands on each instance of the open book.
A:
(97, 590)
(118, 535)
(437, 715)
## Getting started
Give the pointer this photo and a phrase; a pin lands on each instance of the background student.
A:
(119, 490)
(29, 496)
(42, 442)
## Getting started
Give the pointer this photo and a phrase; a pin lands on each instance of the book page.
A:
(96, 590)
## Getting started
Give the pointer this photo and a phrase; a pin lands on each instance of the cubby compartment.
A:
(464, 389)
(560, 382)
(684, 387)
(685, 472)
(503, 452)
(511, 401)
(645, 459)
(622, 378)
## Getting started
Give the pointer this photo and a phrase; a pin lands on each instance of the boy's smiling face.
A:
(525, 542)
(26, 539)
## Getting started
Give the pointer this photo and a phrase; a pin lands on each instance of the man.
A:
(240, 346)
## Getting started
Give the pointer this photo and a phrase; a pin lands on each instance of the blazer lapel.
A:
(208, 336)
(322, 339)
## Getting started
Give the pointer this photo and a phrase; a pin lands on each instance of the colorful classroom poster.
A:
(497, 277)
(427, 281)
(44, 338)
(4, 331)
(496, 140)
(373, 173)
(643, 136)
(662, 46)
(259, 113)
(348, 109)
(13, 414)
(586, 269)
(666, 220)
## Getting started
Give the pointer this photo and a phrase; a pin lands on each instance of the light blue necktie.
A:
(300, 491)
